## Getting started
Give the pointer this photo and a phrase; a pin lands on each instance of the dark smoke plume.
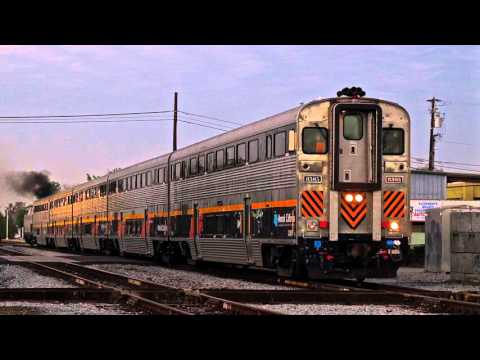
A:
(32, 183)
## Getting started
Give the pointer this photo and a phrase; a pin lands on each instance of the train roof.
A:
(275, 121)
(259, 126)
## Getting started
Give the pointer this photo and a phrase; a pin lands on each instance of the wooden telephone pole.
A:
(169, 167)
(431, 157)
(175, 110)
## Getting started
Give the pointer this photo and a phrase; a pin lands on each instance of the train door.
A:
(247, 209)
(195, 232)
(357, 166)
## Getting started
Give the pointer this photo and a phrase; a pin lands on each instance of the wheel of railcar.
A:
(360, 278)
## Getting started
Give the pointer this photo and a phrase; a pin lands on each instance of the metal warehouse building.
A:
(431, 189)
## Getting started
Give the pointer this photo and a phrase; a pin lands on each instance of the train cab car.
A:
(353, 186)
(320, 190)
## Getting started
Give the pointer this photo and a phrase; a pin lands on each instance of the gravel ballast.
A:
(327, 309)
(418, 278)
(58, 308)
(183, 279)
(38, 252)
(14, 276)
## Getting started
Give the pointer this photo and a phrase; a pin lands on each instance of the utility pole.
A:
(431, 157)
(6, 222)
(169, 168)
(175, 122)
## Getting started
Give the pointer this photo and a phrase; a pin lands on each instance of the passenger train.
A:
(318, 191)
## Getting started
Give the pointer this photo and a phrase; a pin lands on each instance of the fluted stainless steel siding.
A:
(428, 186)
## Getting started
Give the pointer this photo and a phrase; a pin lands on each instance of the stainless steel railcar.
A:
(319, 190)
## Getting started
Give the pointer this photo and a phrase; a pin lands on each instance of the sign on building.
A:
(419, 208)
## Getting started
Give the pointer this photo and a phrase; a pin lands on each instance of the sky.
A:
(236, 83)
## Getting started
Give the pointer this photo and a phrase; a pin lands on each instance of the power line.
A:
(83, 115)
(228, 127)
(80, 121)
(207, 126)
(107, 121)
(450, 167)
(446, 162)
(209, 117)
(3, 119)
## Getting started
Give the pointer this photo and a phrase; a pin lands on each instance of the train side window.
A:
(201, 164)
(210, 162)
(149, 178)
(120, 185)
(193, 166)
(161, 176)
(178, 170)
(314, 140)
(112, 187)
(103, 191)
(353, 127)
(253, 151)
(220, 160)
(280, 143)
(221, 225)
(393, 141)
(241, 154)
(268, 154)
(230, 156)
(273, 223)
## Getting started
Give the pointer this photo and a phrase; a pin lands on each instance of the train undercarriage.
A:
(312, 258)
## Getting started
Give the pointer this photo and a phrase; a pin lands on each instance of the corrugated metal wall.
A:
(428, 186)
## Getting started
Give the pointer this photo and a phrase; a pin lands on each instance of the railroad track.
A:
(155, 298)
(463, 302)
(168, 300)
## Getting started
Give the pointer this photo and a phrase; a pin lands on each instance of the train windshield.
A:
(393, 141)
(353, 127)
(314, 140)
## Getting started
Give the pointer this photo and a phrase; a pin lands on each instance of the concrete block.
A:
(476, 222)
(465, 242)
(461, 222)
(462, 263)
(458, 242)
(456, 276)
(433, 252)
(476, 264)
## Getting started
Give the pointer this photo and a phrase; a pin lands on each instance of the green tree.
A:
(19, 217)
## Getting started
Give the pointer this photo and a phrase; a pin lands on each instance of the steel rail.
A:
(462, 302)
(133, 288)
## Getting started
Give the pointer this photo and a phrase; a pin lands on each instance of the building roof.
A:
(451, 176)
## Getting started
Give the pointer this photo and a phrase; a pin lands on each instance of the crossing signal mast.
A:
(436, 121)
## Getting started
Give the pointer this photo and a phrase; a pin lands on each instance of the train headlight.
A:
(394, 226)
(358, 198)
(349, 197)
